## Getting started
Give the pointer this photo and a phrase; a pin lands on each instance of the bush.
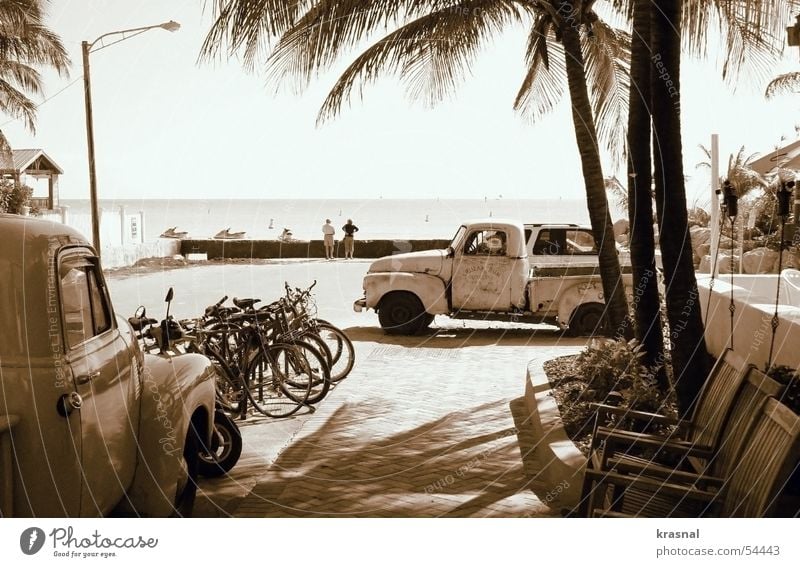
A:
(608, 366)
(14, 196)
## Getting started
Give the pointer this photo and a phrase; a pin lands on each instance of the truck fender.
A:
(175, 392)
(576, 295)
(430, 290)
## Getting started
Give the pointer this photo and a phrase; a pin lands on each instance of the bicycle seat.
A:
(139, 323)
(246, 303)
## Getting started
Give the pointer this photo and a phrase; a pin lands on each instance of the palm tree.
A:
(432, 47)
(26, 45)
(750, 31)
(647, 303)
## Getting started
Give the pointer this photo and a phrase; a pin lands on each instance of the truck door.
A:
(102, 367)
(482, 272)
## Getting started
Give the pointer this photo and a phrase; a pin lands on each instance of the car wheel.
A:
(225, 449)
(401, 313)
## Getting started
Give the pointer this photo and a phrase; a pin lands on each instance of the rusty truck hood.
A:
(424, 262)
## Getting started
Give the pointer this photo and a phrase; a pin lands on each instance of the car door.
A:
(482, 269)
(102, 367)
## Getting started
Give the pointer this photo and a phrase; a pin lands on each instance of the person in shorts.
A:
(349, 240)
(328, 231)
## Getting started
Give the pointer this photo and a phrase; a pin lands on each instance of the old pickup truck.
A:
(88, 424)
(486, 273)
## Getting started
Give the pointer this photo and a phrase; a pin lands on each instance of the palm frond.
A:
(14, 103)
(431, 54)
(544, 82)
(753, 32)
(332, 27)
(248, 26)
(788, 83)
(25, 76)
(607, 54)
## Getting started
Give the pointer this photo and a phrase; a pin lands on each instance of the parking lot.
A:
(422, 427)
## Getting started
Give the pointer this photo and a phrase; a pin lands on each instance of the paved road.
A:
(422, 427)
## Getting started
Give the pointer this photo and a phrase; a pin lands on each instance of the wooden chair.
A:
(698, 436)
(749, 486)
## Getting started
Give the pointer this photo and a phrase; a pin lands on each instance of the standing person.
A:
(349, 241)
(328, 231)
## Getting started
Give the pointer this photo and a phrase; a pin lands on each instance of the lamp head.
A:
(171, 26)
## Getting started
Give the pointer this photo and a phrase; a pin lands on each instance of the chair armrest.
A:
(643, 483)
(657, 470)
(634, 414)
(626, 440)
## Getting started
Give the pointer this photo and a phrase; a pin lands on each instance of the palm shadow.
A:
(427, 471)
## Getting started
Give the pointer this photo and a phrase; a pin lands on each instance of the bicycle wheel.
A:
(318, 374)
(230, 393)
(277, 380)
(342, 351)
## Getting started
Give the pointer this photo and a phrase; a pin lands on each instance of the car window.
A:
(84, 303)
(580, 242)
(486, 243)
(550, 242)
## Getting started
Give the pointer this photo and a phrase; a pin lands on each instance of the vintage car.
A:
(88, 424)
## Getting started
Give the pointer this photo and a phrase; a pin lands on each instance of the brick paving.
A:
(422, 427)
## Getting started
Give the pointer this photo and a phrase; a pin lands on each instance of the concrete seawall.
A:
(263, 249)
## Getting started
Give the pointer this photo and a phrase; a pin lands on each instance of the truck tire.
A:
(401, 313)
(589, 319)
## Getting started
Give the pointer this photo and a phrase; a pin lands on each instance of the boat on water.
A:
(228, 235)
(172, 232)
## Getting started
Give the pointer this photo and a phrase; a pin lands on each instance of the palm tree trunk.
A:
(646, 302)
(596, 198)
(689, 355)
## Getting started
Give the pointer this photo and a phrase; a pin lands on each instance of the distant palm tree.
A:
(26, 45)
(432, 46)
(739, 173)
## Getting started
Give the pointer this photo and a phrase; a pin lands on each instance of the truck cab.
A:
(485, 273)
(87, 422)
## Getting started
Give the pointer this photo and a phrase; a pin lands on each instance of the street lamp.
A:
(88, 48)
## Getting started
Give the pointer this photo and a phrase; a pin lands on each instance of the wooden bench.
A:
(632, 487)
(700, 434)
(748, 487)
(7, 422)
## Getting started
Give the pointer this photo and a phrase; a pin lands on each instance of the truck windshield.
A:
(457, 238)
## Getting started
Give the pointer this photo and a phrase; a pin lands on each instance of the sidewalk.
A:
(421, 428)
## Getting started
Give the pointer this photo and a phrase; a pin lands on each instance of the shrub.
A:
(608, 366)
(14, 196)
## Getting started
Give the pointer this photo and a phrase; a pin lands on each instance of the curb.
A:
(562, 463)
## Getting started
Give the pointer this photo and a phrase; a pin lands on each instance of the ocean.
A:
(376, 218)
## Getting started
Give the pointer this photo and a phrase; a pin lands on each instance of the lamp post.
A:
(88, 48)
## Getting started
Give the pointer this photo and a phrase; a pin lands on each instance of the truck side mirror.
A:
(170, 295)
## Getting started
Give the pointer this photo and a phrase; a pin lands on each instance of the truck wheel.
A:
(589, 319)
(225, 450)
(401, 313)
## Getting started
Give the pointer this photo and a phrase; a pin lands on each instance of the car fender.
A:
(175, 392)
(588, 291)
(431, 290)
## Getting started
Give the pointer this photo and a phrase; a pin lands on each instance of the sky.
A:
(167, 126)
